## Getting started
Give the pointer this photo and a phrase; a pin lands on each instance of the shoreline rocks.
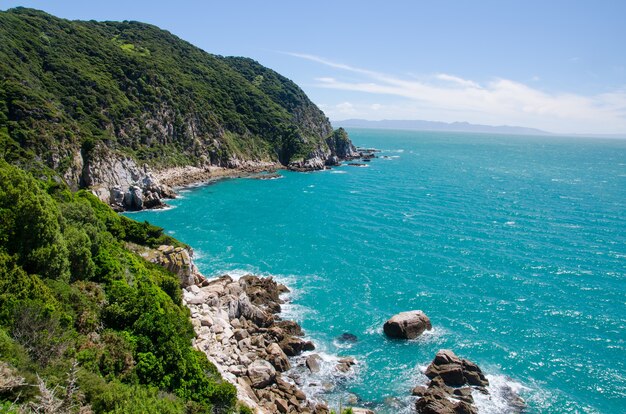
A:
(238, 328)
(407, 325)
(453, 383)
(118, 181)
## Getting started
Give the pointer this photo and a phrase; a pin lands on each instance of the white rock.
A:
(261, 373)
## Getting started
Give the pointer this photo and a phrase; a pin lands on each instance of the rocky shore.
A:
(238, 326)
(185, 176)
(453, 387)
(126, 186)
(239, 329)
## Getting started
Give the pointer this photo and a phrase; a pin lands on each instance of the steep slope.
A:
(97, 326)
(105, 103)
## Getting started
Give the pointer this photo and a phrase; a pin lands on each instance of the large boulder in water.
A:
(407, 325)
(455, 371)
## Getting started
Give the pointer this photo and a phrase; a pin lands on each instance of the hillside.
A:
(105, 104)
(85, 324)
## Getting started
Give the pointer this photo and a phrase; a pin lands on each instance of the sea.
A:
(514, 246)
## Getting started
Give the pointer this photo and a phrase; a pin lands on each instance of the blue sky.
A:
(555, 65)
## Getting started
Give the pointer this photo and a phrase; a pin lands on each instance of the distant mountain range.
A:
(438, 126)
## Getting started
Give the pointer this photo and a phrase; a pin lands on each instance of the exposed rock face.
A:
(118, 181)
(452, 382)
(238, 328)
(178, 261)
(261, 373)
(455, 371)
(407, 325)
(341, 146)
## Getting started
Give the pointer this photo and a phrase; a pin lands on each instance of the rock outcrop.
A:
(340, 146)
(238, 328)
(117, 180)
(455, 371)
(407, 325)
(179, 261)
(453, 381)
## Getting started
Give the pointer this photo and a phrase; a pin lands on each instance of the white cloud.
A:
(501, 101)
(346, 108)
(457, 80)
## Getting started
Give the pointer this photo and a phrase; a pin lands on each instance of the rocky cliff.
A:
(109, 104)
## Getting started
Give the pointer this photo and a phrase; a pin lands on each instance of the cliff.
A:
(107, 104)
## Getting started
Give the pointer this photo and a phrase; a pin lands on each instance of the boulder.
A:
(290, 327)
(277, 357)
(261, 373)
(451, 374)
(293, 346)
(117, 196)
(407, 325)
(419, 391)
(435, 404)
(445, 356)
(313, 363)
(281, 405)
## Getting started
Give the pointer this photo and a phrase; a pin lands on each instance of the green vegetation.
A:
(86, 319)
(67, 87)
(84, 322)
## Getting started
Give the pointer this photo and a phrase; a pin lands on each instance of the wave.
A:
(152, 210)
(502, 394)
(329, 383)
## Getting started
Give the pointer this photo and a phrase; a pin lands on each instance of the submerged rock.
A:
(347, 337)
(407, 325)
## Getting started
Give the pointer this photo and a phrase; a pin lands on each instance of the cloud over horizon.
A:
(446, 97)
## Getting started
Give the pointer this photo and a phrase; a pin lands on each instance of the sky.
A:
(555, 65)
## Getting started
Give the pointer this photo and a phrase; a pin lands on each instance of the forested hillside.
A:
(88, 321)
(77, 94)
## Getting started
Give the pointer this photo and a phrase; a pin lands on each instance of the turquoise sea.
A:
(514, 246)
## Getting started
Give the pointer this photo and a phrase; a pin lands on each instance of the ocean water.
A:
(514, 246)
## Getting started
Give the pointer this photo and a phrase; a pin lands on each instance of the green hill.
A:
(86, 324)
(86, 97)
(93, 325)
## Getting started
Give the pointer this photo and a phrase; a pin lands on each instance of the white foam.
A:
(501, 388)
(320, 386)
(337, 172)
(400, 151)
(434, 336)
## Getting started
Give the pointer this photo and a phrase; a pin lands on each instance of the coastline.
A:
(180, 177)
(239, 328)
